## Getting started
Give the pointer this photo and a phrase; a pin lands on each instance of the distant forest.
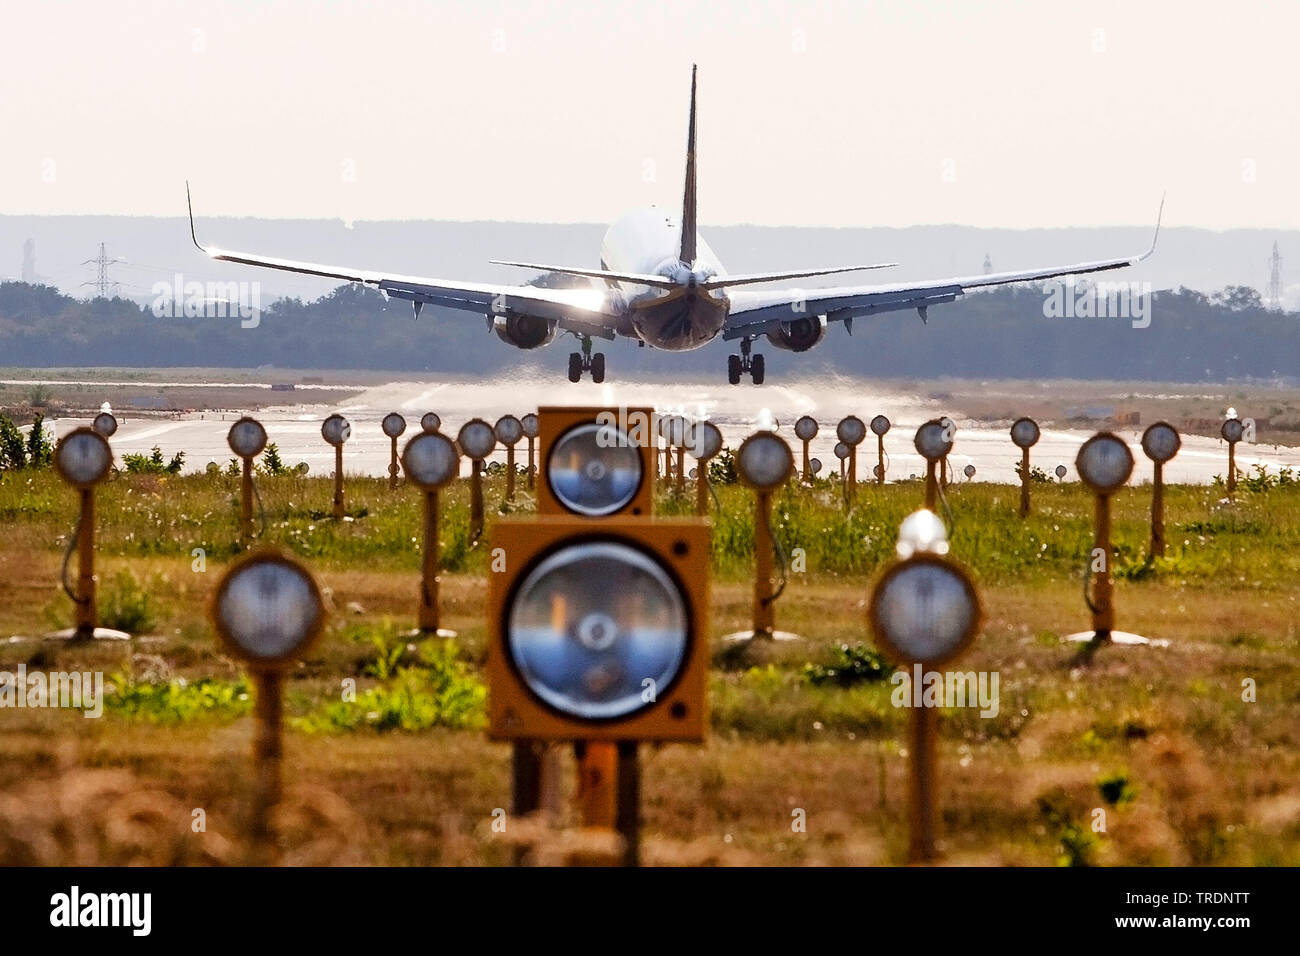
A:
(1001, 333)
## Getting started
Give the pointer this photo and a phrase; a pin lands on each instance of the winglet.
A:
(190, 203)
(1159, 214)
(689, 224)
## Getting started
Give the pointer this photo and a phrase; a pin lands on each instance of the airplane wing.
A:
(756, 313)
(591, 311)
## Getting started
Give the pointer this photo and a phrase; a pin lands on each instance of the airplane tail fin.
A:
(689, 224)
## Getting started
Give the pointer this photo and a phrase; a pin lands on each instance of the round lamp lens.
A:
(879, 425)
(529, 425)
(476, 438)
(1025, 433)
(841, 450)
(1104, 462)
(430, 460)
(591, 623)
(925, 610)
(805, 429)
(1161, 442)
(509, 429)
(851, 431)
(934, 439)
(594, 469)
(393, 424)
(1060, 471)
(675, 431)
(268, 609)
(706, 441)
(105, 424)
(815, 464)
(247, 438)
(1233, 430)
(336, 429)
(764, 461)
(83, 457)
(430, 421)
(969, 471)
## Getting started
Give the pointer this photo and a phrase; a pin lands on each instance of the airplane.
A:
(661, 284)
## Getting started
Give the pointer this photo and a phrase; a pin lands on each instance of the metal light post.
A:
(476, 440)
(1025, 435)
(82, 458)
(1232, 431)
(336, 430)
(431, 462)
(1104, 464)
(851, 431)
(247, 439)
(706, 446)
(1161, 443)
(393, 425)
(529, 424)
(933, 441)
(879, 428)
(764, 463)
(805, 429)
(508, 432)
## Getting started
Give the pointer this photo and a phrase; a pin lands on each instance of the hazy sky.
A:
(1022, 114)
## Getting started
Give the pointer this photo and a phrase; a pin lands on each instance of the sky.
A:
(880, 113)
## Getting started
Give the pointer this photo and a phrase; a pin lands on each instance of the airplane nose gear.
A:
(584, 361)
(738, 365)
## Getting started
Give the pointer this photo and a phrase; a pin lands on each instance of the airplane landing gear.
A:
(738, 365)
(584, 361)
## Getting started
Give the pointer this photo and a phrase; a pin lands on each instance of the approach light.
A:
(1233, 431)
(969, 472)
(1161, 443)
(1104, 463)
(815, 465)
(105, 423)
(851, 431)
(430, 460)
(430, 422)
(764, 461)
(247, 438)
(805, 429)
(336, 430)
(1061, 471)
(529, 424)
(393, 425)
(934, 441)
(267, 610)
(879, 426)
(707, 444)
(1025, 433)
(593, 470)
(476, 439)
(83, 458)
(509, 430)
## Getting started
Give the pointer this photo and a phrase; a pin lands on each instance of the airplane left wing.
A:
(591, 311)
(757, 313)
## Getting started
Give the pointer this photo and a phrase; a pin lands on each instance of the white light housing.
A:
(509, 430)
(851, 431)
(83, 458)
(805, 429)
(336, 430)
(922, 533)
(764, 461)
(1104, 463)
(591, 623)
(393, 424)
(1161, 442)
(430, 460)
(247, 438)
(1024, 433)
(594, 469)
(476, 439)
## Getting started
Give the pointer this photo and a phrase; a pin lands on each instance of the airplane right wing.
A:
(593, 311)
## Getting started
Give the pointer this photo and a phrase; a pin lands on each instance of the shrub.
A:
(153, 463)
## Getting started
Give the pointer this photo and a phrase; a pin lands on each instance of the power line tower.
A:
(104, 286)
(988, 265)
(1275, 280)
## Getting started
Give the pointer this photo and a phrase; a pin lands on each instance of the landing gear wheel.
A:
(733, 369)
(598, 367)
(757, 369)
(575, 367)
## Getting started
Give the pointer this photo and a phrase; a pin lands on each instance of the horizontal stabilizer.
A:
(658, 282)
(755, 277)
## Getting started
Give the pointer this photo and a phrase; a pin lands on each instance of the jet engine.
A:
(524, 331)
(799, 335)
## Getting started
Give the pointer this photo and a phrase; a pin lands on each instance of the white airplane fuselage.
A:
(647, 242)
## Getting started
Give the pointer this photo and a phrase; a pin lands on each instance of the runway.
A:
(296, 428)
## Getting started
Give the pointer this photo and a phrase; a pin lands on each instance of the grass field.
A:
(1157, 741)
